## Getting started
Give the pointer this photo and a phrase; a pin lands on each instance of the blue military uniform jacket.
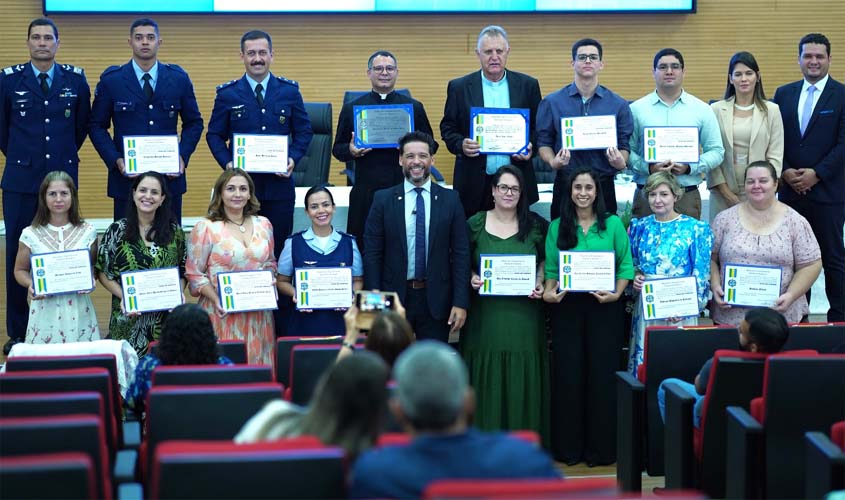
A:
(237, 111)
(38, 134)
(119, 99)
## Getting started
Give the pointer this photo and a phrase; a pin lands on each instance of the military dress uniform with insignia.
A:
(236, 111)
(39, 133)
(119, 99)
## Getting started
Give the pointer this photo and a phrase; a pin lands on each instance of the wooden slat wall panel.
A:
(327, 55)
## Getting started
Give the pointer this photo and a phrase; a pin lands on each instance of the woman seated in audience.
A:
(148, 238)
(232, 237)
(666, 245)
(761, 231)
(57, 227)
(187, 338)
(752, 130)
(318, 246)
(389, 335)
(346, 410)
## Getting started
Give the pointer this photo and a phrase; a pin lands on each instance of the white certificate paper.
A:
(679, 144)
(323, 287)
(587, 271)
(151, 153)
(261, 153)
(242, 291)
(61, 272)
(500, 130)
(509, 275)
(588, 132)
(670, 298)
(151, 290)
(752, 286)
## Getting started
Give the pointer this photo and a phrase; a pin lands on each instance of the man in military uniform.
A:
(43, 122)
(374, 168)
(144, 97)
(262, 103)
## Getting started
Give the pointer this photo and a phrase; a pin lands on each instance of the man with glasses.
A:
(492, 87)
(670, 105)
(375, 168)
(584, 97)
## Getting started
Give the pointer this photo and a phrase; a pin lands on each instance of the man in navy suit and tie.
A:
(417, 245)
(813, 180)
(44, 111)
(144, 97)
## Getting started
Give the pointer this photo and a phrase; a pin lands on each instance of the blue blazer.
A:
(823, 145)
(237, 111)
(448, 263)
(119, 100)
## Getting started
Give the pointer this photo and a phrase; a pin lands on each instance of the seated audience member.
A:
(187, 338)
(389, 335)
(434, 403)
(762, 330)
(346, 409)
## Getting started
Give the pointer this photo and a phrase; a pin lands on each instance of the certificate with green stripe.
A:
(509, 275)
(679, 144)
(381, 125)
(500, 130)
(151, 153)
(151, 290)
(669, 298)
(588, 132)
(323, 287)
(582, 271)
(61, 272)
(242, 291)
(752, 286)
(260, 153)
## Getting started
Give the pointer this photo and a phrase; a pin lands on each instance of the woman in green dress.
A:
(504, 342)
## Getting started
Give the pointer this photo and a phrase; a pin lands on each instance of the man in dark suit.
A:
(813, 180)
(144, 97)
(492, 87)
(44, 111)
(417, 245)
(262, 103)
(374, 167)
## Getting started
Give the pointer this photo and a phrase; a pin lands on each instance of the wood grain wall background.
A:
(327, 55)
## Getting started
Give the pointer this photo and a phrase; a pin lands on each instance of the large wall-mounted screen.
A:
(364, 6)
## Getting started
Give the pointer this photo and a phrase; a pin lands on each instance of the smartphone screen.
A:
(373, 301)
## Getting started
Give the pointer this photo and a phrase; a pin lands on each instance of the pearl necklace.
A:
(745, 108)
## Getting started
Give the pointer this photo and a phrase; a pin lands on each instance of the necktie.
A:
(419, 237)
(44, 87)
(148, 89)
(258, 96)
(808, 109)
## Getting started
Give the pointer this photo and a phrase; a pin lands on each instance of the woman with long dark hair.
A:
(586, 326)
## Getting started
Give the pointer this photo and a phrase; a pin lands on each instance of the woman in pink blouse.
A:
(232, 237)
(762, 231)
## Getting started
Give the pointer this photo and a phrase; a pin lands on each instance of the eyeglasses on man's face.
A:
(585, 57)
(382, 69)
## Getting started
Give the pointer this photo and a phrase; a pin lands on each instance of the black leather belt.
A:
(416, 284)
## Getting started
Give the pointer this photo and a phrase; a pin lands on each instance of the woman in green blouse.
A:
(587, 327)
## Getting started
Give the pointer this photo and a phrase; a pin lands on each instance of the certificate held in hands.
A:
(323, 287)
(500, 130)
(151, 290)
(752, 286)
(260, 153)
(508, 275)
(61, 272)
(242, 291)
(670, 298)
(679, 144)
(380, 127)
(588, 132)
(587, 271)
(151, 153)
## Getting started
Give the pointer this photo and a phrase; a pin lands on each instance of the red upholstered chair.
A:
(521, 488)
(284, 347)
(211, 374)
(837, 434)
(402, 439)
(307, 364)
(825, 462)
(50, 475)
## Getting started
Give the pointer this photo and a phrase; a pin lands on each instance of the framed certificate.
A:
(242, 291)
(151, 290)
(509, 275)
(500, 130)
(323, 287)
(752, 286)
(381, 126)
(670, 298)
(588, 132)
(679, 144)
(260, 153)
(61, 272)
(151, 153)
(587, 271)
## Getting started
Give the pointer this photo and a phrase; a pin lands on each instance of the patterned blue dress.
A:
(680, 247)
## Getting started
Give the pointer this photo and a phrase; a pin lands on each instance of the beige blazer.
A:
(766, 141)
